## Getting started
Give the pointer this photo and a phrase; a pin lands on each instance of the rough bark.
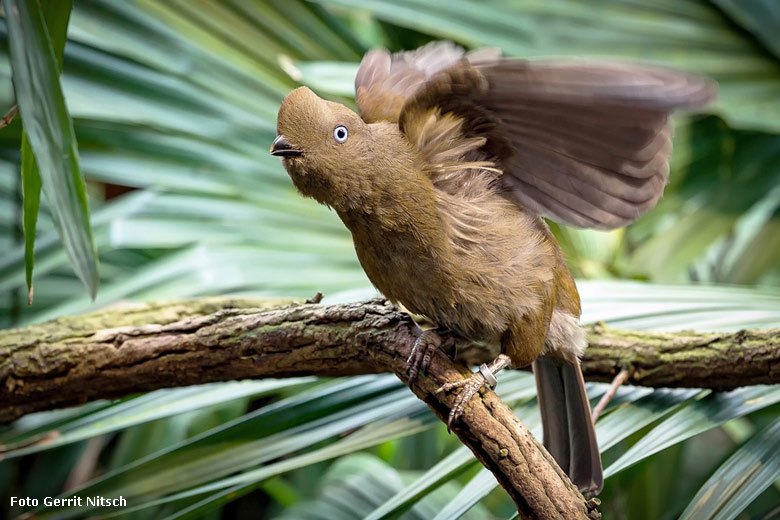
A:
(721, 361)
(138, 348)
(70, 361)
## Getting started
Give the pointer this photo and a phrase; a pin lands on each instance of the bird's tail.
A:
(569, 435)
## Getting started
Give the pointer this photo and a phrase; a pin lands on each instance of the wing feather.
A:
(583, 142)
(385, 81)
(591, 140)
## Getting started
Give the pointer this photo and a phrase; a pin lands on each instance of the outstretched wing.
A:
(591, 140)
(585, 143)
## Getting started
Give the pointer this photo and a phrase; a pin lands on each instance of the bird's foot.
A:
(422, 352)
(467, 388)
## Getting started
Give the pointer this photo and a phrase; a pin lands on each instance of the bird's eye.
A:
(340, 133)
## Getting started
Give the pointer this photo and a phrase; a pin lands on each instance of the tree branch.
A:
(720, 361)
(140, 348)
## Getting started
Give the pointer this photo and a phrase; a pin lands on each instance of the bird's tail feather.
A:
(569, 435)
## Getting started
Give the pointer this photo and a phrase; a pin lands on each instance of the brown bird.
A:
(443, 181)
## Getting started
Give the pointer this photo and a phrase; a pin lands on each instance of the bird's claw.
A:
(422, 352)
(468, 388)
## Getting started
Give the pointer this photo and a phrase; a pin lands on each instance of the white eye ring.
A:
(340, 134)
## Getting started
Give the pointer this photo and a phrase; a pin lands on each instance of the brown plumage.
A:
(443, 182)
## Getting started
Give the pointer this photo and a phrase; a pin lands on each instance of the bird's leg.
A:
(422, 352)
(470, 386)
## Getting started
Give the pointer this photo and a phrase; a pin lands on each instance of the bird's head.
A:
(324, 146)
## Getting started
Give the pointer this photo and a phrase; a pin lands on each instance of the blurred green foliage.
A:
(174, 106)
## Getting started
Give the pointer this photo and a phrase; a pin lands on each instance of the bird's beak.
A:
(281, 148)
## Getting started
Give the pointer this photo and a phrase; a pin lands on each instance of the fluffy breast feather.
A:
(501, 257)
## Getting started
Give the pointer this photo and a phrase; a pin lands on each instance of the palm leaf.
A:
(742, 478)
(49, 130)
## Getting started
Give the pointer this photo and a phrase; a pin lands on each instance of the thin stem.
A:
(621, 378)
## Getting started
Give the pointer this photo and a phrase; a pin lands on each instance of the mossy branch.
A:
(130, 349)
(720, 360)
